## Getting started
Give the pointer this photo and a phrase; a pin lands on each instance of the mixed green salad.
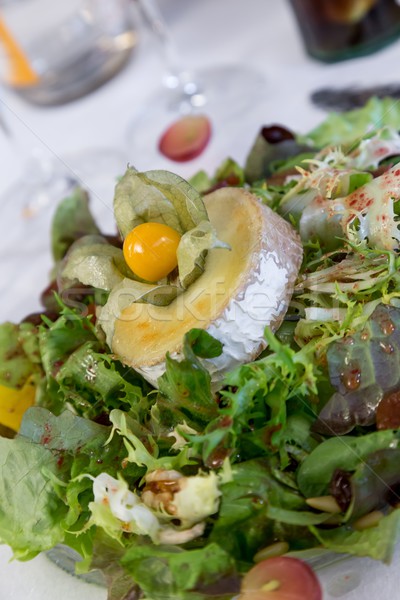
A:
(176, 491)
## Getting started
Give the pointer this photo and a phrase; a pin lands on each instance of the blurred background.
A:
(261, 34)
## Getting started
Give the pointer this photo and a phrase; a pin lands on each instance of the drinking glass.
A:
(335, 30)
(55, 52)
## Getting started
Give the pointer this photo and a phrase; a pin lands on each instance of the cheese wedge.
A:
(241, 291)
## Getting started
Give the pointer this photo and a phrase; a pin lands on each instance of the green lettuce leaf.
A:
(93, 383)
(71, 221)
(252, 411)
(347, 127)
(60, 339)
(31, 511)
(19, 355)
(185, 388)
(244, 523)
(80, 375)
(229, 173)
(170, 572)
(377, 542)
(144, 452)
(341, 452)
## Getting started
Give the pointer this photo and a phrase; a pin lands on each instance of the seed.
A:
(276, 549)
(369, 520)
(324, 504)
(271, 586)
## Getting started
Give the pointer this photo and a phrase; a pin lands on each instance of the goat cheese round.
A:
(240, 292)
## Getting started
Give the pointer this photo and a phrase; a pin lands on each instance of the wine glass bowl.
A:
(73, 48)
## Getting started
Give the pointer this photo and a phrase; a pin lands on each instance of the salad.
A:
(188, 438)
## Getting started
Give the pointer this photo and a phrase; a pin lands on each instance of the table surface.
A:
(259, 33)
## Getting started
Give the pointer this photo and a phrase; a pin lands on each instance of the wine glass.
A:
(45, 178)
(220, 94)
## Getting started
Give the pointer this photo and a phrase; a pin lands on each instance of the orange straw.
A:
(21, 72)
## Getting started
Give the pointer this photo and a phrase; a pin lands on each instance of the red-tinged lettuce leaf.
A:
(273, 145)
(229, 173)
(66, 433)
(107, 554)
(78, 446)
(362, 367)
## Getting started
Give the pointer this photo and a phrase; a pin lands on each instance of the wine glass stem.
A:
(17, 147)
(189, 93)
(42, 174)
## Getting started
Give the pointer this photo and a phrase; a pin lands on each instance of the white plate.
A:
(40, 579)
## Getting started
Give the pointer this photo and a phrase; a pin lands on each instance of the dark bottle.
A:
(336, 30)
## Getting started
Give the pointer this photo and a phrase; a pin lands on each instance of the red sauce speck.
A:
(46, 437)
(359, 201)
(397, 172)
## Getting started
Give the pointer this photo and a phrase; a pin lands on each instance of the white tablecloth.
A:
(260, 33)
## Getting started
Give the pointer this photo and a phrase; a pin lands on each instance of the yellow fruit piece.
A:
(13, 404)
(150, 250)
(347, 12)
(21, 71)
